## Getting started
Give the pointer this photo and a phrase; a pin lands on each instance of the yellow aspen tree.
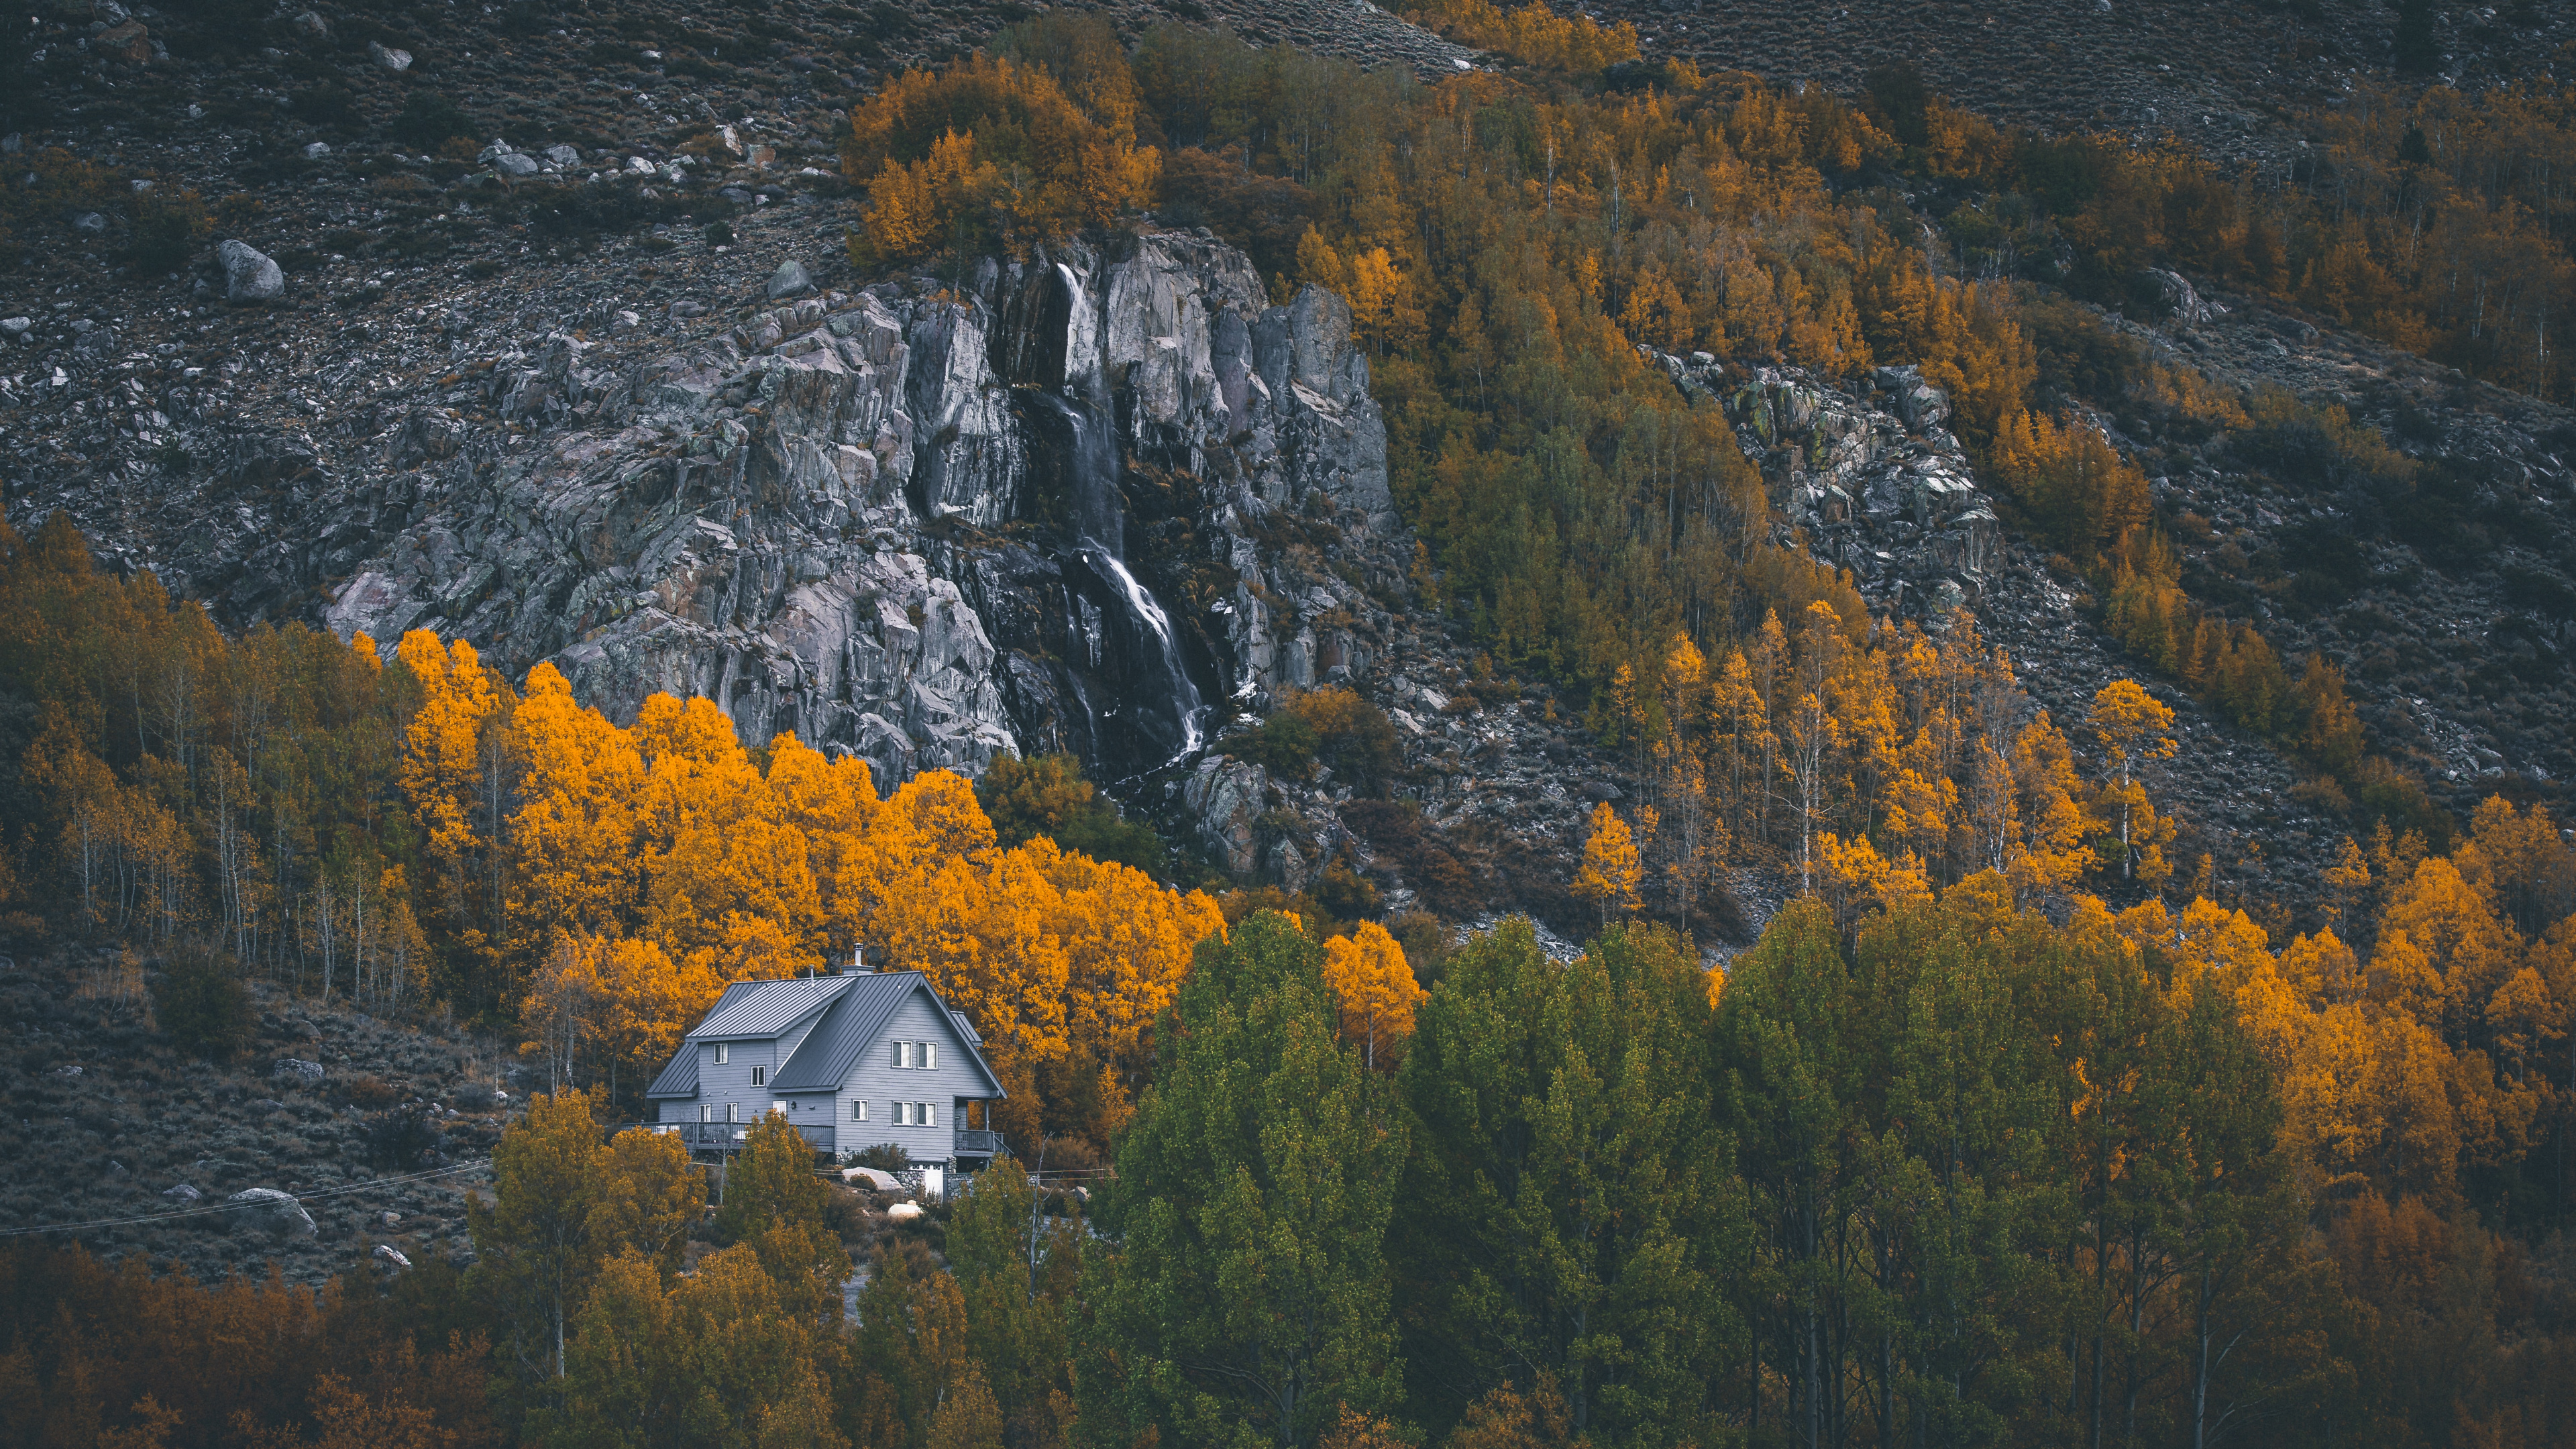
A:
(833, 803)
(1741, 745)
(575, 834)
(2133, 725)
(2322, 969)
(1375, 989)
(1919, 812)
(1610, 872)
(943, 813)
(561, 1012)
(2466, 942)
(1127, 944)
(1866, 711)
(1849, 877)
(2053, 853)
(2403, 979)
(450, 781)
(1989, 810)
(2345, 880)
(1809, 731)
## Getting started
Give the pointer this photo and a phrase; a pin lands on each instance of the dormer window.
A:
(724, 1052)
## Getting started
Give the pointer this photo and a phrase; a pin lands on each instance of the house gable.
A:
(858, 1026)
(820, 1035)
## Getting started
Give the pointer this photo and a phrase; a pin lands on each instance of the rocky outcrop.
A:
(1867, 473)
(919, 524)
(267, 1210)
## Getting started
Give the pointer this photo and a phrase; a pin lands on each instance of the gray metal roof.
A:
(680, 1078)
(761, 1010)
(852, 1026)
(854, 1010)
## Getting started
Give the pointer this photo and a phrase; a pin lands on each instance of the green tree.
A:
(717, 1358)
(534, 1243)
(1047, 795)
(774, 1203)
(1568, 1208)
(1252, 1200)
(1018, 1271)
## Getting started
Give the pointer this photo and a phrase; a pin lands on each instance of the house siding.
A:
(881, 1086)
(731, 1083)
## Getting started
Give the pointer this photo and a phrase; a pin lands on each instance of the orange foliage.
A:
(992, 149)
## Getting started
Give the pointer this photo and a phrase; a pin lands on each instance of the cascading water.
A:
(1100, 524)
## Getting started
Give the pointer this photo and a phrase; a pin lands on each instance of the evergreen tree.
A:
(1251, 1301)
(1568, 1217)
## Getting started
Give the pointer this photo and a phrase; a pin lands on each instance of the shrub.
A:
(1284, 745)
(1344, 892)
(884, 1157)
(427, 120)
(403, 1138)
(1331, 726)
(166, 228)
(366, 1090)
(326, 104)
(1048, 796)
(568, 212)
(202, 1005)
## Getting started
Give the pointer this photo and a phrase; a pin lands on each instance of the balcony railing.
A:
(732, 1135)
(975, 1142)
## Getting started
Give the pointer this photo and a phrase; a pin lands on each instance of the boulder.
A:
(2184, 301)
(388, 57)
(129, 41)
(874, 1179)
(904, 1212)
(185, 1195)
(1224, 797)
(789, 280)
(297, 1070)
(387, 1252)
(1922, 406)
(250, 275)
(267, 1210)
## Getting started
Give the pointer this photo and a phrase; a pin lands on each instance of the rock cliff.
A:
(1038, 508)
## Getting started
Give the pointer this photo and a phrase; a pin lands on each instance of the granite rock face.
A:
(1867, 473)
(923, 525)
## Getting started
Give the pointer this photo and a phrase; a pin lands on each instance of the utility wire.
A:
(225, 1207)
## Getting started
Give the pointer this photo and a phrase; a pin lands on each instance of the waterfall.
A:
(1100, 520)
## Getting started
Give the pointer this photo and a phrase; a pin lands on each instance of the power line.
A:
(225, 1207)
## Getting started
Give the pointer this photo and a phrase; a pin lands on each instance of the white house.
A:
(852, 1061)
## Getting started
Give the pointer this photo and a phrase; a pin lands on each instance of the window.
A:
(858, 1111)
(894, 1053)
(929, 1055)
(759, 1076)
(706, 1111)
(929, 1115)
(724, 1052)
(733, 1113)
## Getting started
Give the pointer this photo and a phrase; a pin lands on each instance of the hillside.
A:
(322, 1101)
